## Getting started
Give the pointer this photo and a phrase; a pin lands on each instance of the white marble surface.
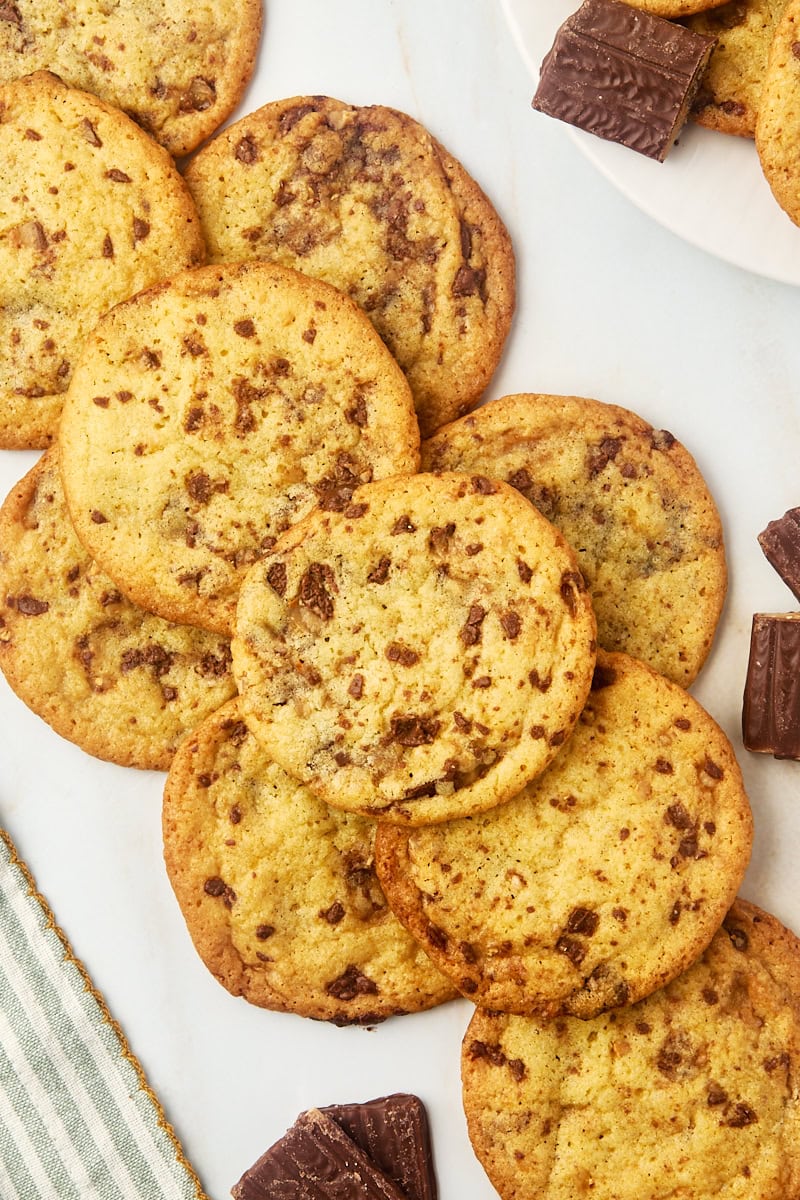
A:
(610, 305)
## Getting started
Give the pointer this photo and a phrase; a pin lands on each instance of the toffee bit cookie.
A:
(729, 94)
(93, 211)
(209, 413)
(604, 878)
(279, 891)
(421, 655)
(692, 1092)
(178, 70)
(366, 199)
(630, 501)
(121, 683)
(777, 136)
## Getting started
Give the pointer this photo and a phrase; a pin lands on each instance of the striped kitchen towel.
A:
(77, 1118)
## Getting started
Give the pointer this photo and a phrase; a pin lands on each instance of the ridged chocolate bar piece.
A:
(315, 1160)
(780, 542)
(771, 709)
(394, 1132)
(623, 74)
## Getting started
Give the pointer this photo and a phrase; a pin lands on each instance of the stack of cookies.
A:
(422, 702)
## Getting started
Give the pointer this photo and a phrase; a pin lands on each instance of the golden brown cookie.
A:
(691, 1093)
(673, 8)
(209, 413)
(420, 655)
(122, 684)
(604, 878)
(777, 126)
(177, 69)
(92, 212)
(631, 502)
(729, 94)
(279, 891)
(368, 200)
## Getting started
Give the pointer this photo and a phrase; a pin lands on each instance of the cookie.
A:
(420, 655)
(728, 97)
(368, 200)
(279, 891)
(777, 140)
(604, 878)
(93, 211)
(122, 684)
(209, 413)
(673, 8)
(692, 1092)
(178, 71)
(631, 502)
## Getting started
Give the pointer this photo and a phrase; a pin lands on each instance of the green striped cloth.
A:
(77, 1118)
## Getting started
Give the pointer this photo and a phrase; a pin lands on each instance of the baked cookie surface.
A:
(208, 414)
(729, 94)
(673, 8)
(778, 123)
(631, 502)
(122, 684)
(692, 1092)
(178, 69)
(93, 211)
(604, 878)
(420, 655)
(368, 200)
(279, 891)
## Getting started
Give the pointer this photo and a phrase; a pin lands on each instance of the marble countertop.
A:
(610, 305)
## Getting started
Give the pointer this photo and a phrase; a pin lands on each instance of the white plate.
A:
(710, 191)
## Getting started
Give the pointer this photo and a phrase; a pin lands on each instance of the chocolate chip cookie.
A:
(729, 95)
(178, 69)
(209, 413)
(604, 878)
(279, 891)
(93, 211)
(419, 655)
(122, 684)
(691, 1092)
(777, 137)
(368, 200)
(631, 502)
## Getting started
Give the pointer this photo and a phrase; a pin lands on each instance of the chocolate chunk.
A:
(394, 1132)
(315, 1158)
(771, 708)
(623, 74)
(780, 542)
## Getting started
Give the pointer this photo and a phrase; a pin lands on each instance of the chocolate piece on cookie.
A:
(777, 134)
(208, 414)
(93, 211)
(631, 502)
(691, 1092)
(624, 75)
(122, 684)
(729, 94)
(368, 200)
(771, 707)
(179, 70)
(420, 655)
(279, 891)
(604, 878)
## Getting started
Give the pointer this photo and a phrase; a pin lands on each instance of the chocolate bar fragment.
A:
(394, 1132)
(780, 542)
(771, 709)
(623, 74)
(315, 1160)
